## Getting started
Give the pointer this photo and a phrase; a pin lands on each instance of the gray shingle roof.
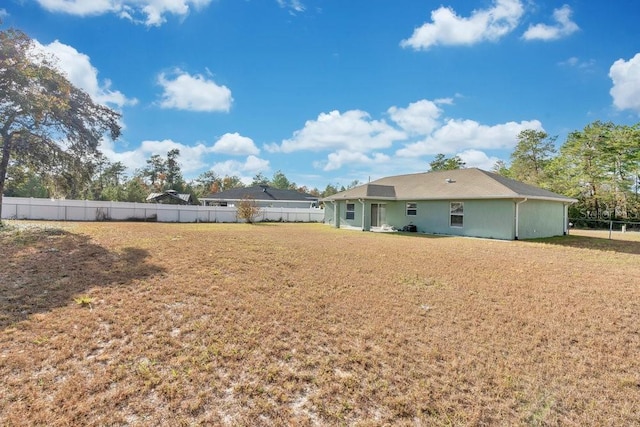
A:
(169, 194)
(470, 183)
(260, 192)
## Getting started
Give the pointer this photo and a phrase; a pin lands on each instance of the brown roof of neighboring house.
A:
(469, 183)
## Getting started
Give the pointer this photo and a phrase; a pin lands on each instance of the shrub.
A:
(248, 210)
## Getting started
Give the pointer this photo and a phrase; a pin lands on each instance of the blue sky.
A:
(332, 91)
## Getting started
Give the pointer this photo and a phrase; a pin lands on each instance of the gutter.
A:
(565, 218)
(518, 215)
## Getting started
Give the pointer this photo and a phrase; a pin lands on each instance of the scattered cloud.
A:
(447, 28)
(355, 139)
(236, 145)
(477, 159)
(244, 170)
(457, 134)
(353, 130)
(294, 6)
(420, 117)
(78, 69)
(3, 13)
(148, 12)
(563, 26)
(626, 83)
(183, 91)
(576, 62)
(343, 157)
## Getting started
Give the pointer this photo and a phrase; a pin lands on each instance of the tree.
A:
(353, 184)
(248, 210)
(532, 154)
(156, 171)
(599, 166)
(136, 190)
(229, 182)
(442, 163)
(45, 121)
(280, 181)
(25, 183)
(259, 179)
(174, 174)
(329, 190)
(205, 183)
(500, 167)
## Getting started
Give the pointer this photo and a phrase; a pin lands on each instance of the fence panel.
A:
(91, 210)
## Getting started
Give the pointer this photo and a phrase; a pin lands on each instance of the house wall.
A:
(329, 211)
(482, 218)
(494, 219)
(541, 218)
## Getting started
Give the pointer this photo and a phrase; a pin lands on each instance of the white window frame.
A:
(456, 209)
(411, 209)
(350, 212)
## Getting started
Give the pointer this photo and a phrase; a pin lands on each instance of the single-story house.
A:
(463, 202)
(170, 197)
(264, 197)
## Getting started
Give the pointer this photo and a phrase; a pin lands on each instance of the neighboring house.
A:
(170, 197)
(264, 197)
(463, 202)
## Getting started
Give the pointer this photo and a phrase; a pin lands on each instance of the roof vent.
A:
(449, 180)
(264, 187)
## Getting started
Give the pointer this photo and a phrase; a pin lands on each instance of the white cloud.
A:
(153, 11)
(3, 13)
(420, 117)
(477, 159)
(563, 27)
(183, 91)
(353, 130)
(458, 135)
(447, 28)
(626, 83)
(576, 62)
(245, 170)
(343, 157)
(78, 69)
(294, 6)
(235, 144)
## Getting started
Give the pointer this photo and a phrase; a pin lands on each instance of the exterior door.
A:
(378, 214)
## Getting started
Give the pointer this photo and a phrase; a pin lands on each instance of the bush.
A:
(248, 210)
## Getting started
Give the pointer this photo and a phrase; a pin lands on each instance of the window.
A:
(457, 214)
(412, 209)
(351, 211)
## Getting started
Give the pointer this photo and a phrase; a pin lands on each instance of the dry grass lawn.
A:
(143, 324)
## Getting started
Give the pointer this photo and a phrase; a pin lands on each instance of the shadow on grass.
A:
(595, 243)
(45, 268)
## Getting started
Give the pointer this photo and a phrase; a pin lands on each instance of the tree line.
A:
(50, 132)
(107, 181)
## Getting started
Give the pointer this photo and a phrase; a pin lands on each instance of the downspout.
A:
(363, 213)
(565, 217)
(336, 215)
(518, 216)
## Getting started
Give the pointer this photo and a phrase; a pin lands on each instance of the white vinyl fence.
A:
(90, 210)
